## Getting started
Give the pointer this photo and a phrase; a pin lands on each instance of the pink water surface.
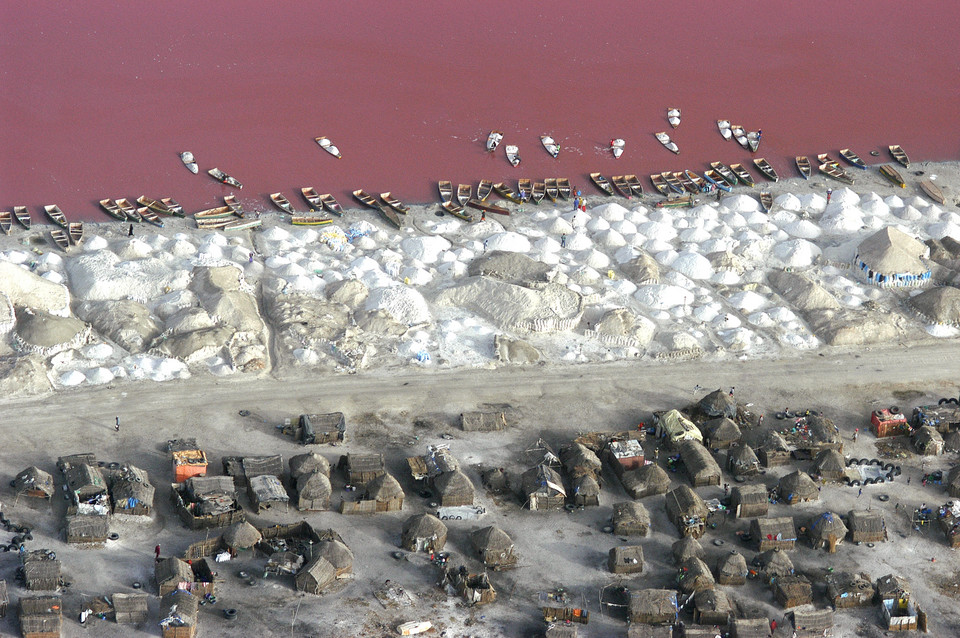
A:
(99, 97)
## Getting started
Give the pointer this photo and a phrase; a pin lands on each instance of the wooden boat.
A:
(60, 238)
(111, 208)
(550, 144)
(367, 200)
(553, 191)
(280, 201)
(673, 117)
(932, 190)
(686, 182)
(524, 188)
(234, 204)
(394, 203)
(620, 183)
(6, 221)
(634, 183)
(899, 154)
(601, 183)
(824, 158)
(391, 216)
(764, 167)
(328, 146)
(463, 193)
(724, 171)
(893, 175)
(493, 140)
(717, 180)
(155, 205)
(308, 220)
(833, 170)
(329, 202)
(753, 141)
(724, 126)
(220, 176)
(312, 197)
(243, 224)
(677, 202)
(151, 217)
(487, 208)
(56, 215)
(853, 158)
(457, 211)
(513, 154)
(484, 189)
(743, 175)
(616, 147)
(673, 183)
(740, 135)
(696, 179)
(664, 139)
(173, 206)
(128, 209)
(446, 190)
(22, 215)
(766, 201)
(660, 184)
(189, 161)
(220, 212)
(504, 191)
(803, 165)
(538, 192)
(206, 223)
(563, 187)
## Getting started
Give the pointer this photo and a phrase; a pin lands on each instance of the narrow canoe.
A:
(635, 186)
(724, 171)
(853, 158)
(740, 135)
(463, 193)
(446, 190)
(484, 189)
(717, 180)
(824, 158)
(524, 188)
(673, 117)
(564, 188)
(538, 192)
(899, 154)
(504, 191)
(328, 146)
(220, 212)
(753, 141)
(553, 191)
(6, 221)
(616, 147)
(234, 204)
(620, 183)
(111, 208)
(189, 161)
(173, 206)
(677, 202)
(457, 211)
(205, 223)
(153, 204)
(307, 220)
(394, 203)
(56, 215)
(329, 202)
(766, 169)
(670, 145)
(696, 179)
(367, 200)
(150, 217)
(128, 209)
(550, 145)
(60, 238)
(686, 182)
(488, 208)
(743, 175)
(220, 176)
(493, 140)
(724, 126)
(834, 171)
(281, 202)
(513, 154)
(22, 215)
(243, 224)
(893, 175)
(766, 200)
(933, 191)
(601, 182)
(660, 184)
(673, 183)
(803, 165)
(312, 197)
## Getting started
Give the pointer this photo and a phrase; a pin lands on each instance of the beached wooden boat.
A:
(446, 190)
(743, 175)
(831, 169)
(550, 145)
(234, 204)
(616, 147)
(23, 216)
(524, 188)
(668, 144)
(724, 126)
(766, 169)
(244, 224)
(686, 182)
(538, 192)
(310, 220)
(553, 191)
(487, 208)
(151, 217)
(660, 184)
(329, 202)
(56, 215)
(60, 238)
(724, 171)
(717, 180)
(673, 117)
(189, 161)
(313, 198)
(740, 135)
(899, 154)
(824, 158)
(766, 201)
(696, 179)
(484, 188)
(220, 212)
(280, 201)
(173, 206)
(620, 184)
(505, 192)
(328, 146)
(128, 209)
(463, 193)
(6, 221)
(513, 154)
(601, 182)
(673, 183)
(677, 202)
(153, 204)
(394, 203)
(564, 188)
(893, 175)
(457, 211)
(367, 199)
(634, 183)
(220, 176)
(205, 223)
(932, 190)
(852, 158)
(753, 141)
(803, 165)
(75, 231)
(111, 208)
(493, 140)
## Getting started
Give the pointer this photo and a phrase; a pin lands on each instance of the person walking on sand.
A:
(860, 493)
(856, 433)
(118, 424)
(156, 551)
(829, 194)
(250, 260)
(130, 234)
(563, 241)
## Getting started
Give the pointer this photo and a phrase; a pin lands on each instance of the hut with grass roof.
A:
(712, 607)
(241, 537)
(773, 564)
(743, 461)
(750, 628)
(732, 569)
(315, 576)
(773, 533)
(41, 570)
(131, 491)
(308, 463)
(41, 616)
(361, 469)
(313, 492)
(35, 483)
(87, 529)
(687, 511)
(720, 433)
(747, 501)
(953, 481)
(812, 623)
(337, 554)
(653, 606)
(585, 491)
(648, 480)
(774, 450)
(494, 547)
(693, 575)
(423, 533)
(718, 404)
(829, 465)
(927, 441)
(542, 488)
(630, 519)
(579, 460)
(826, 530)
(850, 589)
(131, 609)
(866, 526)
(171, 574)
(625, 559)
(797, 487)
(179, 613)
(699, 465)
(686, 548)
(951, 441)
(792, 590)
(386, 492)
(454, 488)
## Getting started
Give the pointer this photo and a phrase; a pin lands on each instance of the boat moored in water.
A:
(493, 140)
(220, 176)
(668, 144)
(601, 182)
(900, 155)
(328, 146)
(189, 161)
(803, 165)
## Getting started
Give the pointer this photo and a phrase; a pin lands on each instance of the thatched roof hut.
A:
(653, 606)
(866, 526)
(951, 441)
(308, 464)
(812, 623)
(747, 501)
(850, 589)
(700, 466)
(693, 575)
(732, 569)
(579, 460)
(953, 481)
(687, 511)
(645, 481)
(718, 404)
(34, 482)
(773, 533)
(241, 536)
(792, 590)
(585, 490)
(87, 529)
(315, 576)
(337, 554)
(712, 607)
(454, 488)
(774, 564)
(41, 570)
(640, 630)
(40, 616)
(561, 630)
(494, 547)
(686, 548)
(131, 609)
(496, 480)
(85, 482)
(743, 461)
(826, 530)
(267, 491)
(774, 450)
(313, 492)
(891, 587)
(625, 559)
(132, 492)
(797, 487)
(829, 464)
(423, 533)
(179, 611)
(360, 469)
(630, 519)
(386, 491)
(720, 433)
(822, 434)
(542, 488)
(927, 441)
(750, 628)
(168, 573)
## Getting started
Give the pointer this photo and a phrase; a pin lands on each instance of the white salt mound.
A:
(404, 304)
(663, 297)
(425, 249)
(796, 253)
(693, 265)
(508, 242)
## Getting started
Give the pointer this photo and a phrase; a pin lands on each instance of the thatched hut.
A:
(625, 559)
(927, 441)
(308, 463)
(718, 404)
(819, 433)
(630, 519)
(41, 570)
(797, 487)
(750, 628)
(892, 587)
(131, 492)
(454, 488)
(700, 466)
(542, 488)
(687, 511)
(747, 501)
(386, 492)
(773, 533)
(850, 589)
(645, 481)
(313, 492)
(686, 548)
(953, 481)
(87, 529)
(131, 609)
(743, 461)
(712, 607)
(476, 589)
(812, 623)
(829, 465)
(169, 573)
(579, 460)
(585, 491)
(826, 530)
(241, 536)
(792, 590)
(496, 480)
(774, 451)
(640, 630)
(179, 611)
(732, 569)
(361, 469)
(41, 616)
(423, 533)
(693, 575)
(337, 554)
(653, 606)
(773, 564)
(951, 441)
(720, 433)
(315, 576)
(494, 547)
(266, 491)
(34, 482)
(561, 630)
(866, 526)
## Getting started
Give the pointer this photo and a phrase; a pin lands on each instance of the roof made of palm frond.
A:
(718, 404)
(749, 494)
(172, 570)
(33, 478)
(714, 601)
(241, 535)
(308, 464)
(585, 485)
(542, 480)
(731, 565)
(799, 484)
(632, 513)
(890, 586)
(491, 538)
(423, 526)
(775, 528)
(828, 463)
(926, 435)
(578, 459)
(315, 486)
(822, 429)
(699, 463)
(683, 501)
(775, 562)
(454, 485)
(952, 441)
(866, 521)
(384, 488)
(742, 456)
(721, 430)
(647, 479)
(687, 547)
(825, 525)
(338, 554)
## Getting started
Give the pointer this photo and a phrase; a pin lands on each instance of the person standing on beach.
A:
(156, 552)
(118, 424)
(130, 234)
(829, 194)
(563, 241)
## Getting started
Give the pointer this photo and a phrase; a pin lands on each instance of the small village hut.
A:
(648, 480)
(693, 575)
(170, 573)
(337, 554)
(829, 465)
(542, 488)
(774, 450)
(585, 491)
(687, 511)
(826, 530)
(774, 564)
(732, 569)
(579, 460)
(423, 533)
(712, 607)
(750, 628)
(686, 548)
(747, 501)
(797, 487)
(308, 464)
(720, 433)
(866, 526)
(494, 547)
(792, 590)
(850, 589)
(701, 467)
(41, 570)
(315, 576)
(630, 519)
(625, 559)
(41, 616)
(131, 609)
(927, 441)
(953, 481)
(454, 488)
(743, 461)
(387, 493)
(179, 611)
(718, 404)
(812, 623)
(241, 536)
(35, 483)
(773, 533)
(653, 606)
(87, 529)
(313, 492)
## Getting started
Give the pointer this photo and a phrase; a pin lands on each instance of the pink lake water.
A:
(99, 97)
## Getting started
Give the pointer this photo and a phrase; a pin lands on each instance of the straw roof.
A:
(338, 554)
(829, 464)
(645, 481)
(775, 563)
(891, 251)
(542, 480)
(780, 528)
(578, 459)
(718, 404)
(491, 538)
(686, 548)
(845, 584)
(699, 464)
(719, 431)
(308, 464)
(866, 521)
(693, 575)
(130, 609)
(797, 486)
(423, 526)
(891, 586)
(951, 442)
(927, 440)
(953, 481)
(810, 623)
(713, 602)
(241, 536)
(384, 488)
(456, 486)
(749, 494)
(939, 305)
(630, 516)
(732, 568)
(585, 486)
(750, 628)
(33, 478)
(315, 575)
(133, 489)
(313, 487)
(822, 429)
(40, 615)
(40, 571)
(775, 442)
(653, 605)
(173, 570)
(205, 486)
(87, 528)
(825, 525)
(792, 590)
(683, 501)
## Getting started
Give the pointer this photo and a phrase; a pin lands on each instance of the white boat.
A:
(328, 146)
(724, 126)
(740, 135)
(550, 144)
(753, 141)
(513, 154)
(673, 116)
(188, 160)
(667, 142)
(616, 147)
(493, 140)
